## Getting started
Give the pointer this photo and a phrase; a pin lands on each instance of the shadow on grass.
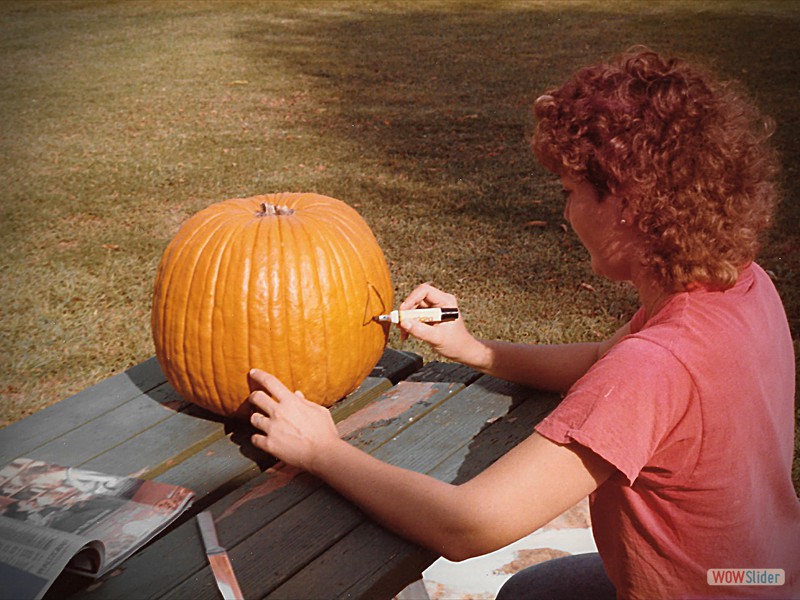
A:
(441, 98)
(445, 95)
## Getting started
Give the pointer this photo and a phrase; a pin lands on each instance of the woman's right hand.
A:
(450, 339)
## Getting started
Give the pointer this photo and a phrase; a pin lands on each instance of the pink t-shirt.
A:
(695, 409)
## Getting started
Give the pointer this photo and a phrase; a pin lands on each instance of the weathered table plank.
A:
(259, 502)
(380, 575)
(228, 462)
(366, 429)
(346, 570)
(497, 438)
(421, 447)
(441, 371)
(395, 572)
(452, 425)
(312, 524)
(280, 548)
(21, 437)
(156, 448)
(132, 410)
(83, 443)
(289, 535)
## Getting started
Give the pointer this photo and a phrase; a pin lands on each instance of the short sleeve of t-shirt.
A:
(626, 407)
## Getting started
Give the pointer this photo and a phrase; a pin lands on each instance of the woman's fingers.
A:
(426, 295)
(266, 391)
(423, 331)
(266, 381)
(263, 401)
(260, 421)
(259, 380)
(289, 427)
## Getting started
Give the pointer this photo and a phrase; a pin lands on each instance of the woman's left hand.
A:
(292, 429)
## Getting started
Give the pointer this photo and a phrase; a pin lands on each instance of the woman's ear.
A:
(626, 214)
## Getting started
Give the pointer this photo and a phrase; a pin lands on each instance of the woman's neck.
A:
(652, 295)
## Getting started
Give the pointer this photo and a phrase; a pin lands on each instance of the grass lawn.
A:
(121, 119)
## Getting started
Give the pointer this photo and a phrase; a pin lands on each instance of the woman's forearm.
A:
(302, 434)
(520, 492)
(415, 506)
(546, 367)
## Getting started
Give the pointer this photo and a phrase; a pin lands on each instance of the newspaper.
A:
(55, 518)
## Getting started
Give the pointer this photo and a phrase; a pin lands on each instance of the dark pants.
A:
(575, 577)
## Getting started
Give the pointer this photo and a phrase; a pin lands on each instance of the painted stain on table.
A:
(389, 406)
(385, 409)
(277, 477)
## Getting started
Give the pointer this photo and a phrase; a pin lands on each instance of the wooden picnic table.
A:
(288, 535)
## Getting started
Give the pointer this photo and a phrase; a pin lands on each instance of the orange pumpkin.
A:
(287, 283)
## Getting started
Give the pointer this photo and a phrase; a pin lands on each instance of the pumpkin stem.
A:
(272, 210)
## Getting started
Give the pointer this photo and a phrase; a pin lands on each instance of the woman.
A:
(680, 426)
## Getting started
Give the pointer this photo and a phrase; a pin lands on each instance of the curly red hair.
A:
(687, 155)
